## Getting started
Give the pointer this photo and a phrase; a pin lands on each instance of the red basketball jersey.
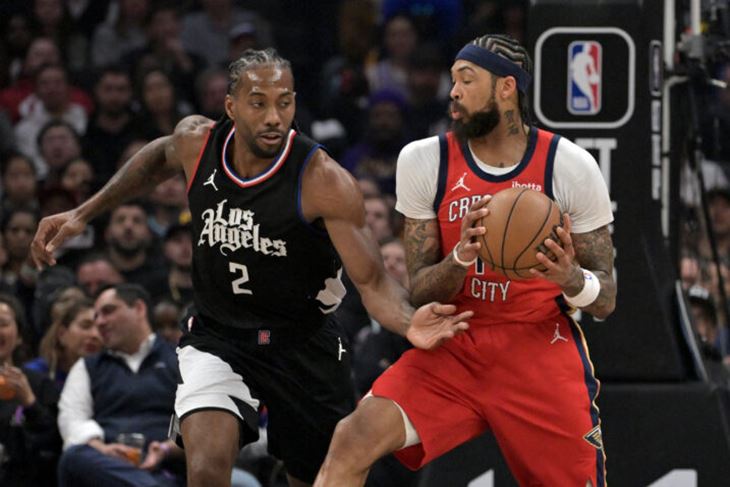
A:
(494, 297)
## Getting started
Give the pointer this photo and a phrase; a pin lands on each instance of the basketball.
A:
(518, 223)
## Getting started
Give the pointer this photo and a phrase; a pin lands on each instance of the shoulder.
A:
(189, 136)
(568, 152)
(342, 195)
(420, 151)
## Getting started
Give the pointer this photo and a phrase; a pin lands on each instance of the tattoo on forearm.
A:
(432, 278)
(511, 123)
(594, 251)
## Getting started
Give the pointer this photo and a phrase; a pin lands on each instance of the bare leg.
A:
(375, 429)
(211, 446)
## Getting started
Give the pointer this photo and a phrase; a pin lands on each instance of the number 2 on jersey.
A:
(237, 283)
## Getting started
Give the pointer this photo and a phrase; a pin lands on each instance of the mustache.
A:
(455, 106)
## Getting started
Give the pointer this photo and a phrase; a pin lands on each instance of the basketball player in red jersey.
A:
(271, 244)
(522, 369)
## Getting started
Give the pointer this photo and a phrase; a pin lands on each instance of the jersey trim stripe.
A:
(549, 165)
(200, 156)
(307, 158)
(493, 178)
(443, 172)
(270, 171)
(593, 387)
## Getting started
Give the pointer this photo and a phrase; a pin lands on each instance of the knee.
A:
(208, 468)
(351, 440)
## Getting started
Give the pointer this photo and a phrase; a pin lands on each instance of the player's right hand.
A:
(470, 228)
(52, 231)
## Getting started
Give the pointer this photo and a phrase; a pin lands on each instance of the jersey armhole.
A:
(550, 165)
(310, 226)
(200, 157)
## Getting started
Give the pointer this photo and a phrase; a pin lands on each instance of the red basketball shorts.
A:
(532, 385)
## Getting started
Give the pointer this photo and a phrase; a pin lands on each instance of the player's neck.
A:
(502, 147)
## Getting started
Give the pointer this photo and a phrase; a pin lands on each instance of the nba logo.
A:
(584, 77)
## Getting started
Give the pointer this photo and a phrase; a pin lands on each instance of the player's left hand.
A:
(434, 323)
(562, 268)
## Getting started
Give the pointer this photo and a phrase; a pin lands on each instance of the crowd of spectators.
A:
(88, 345)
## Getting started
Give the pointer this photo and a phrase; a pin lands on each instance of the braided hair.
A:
(251, 59)
(511, 49)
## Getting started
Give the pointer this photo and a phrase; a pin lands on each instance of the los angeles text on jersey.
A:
(236, 231)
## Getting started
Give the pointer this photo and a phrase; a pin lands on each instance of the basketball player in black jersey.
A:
(273, 216)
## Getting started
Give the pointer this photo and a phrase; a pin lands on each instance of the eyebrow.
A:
(255, 92)
(464, 68)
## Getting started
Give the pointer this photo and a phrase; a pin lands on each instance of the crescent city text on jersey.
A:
(237, 230)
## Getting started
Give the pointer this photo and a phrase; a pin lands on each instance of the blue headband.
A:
(496, 64)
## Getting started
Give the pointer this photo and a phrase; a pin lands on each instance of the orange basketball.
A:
(518, 223)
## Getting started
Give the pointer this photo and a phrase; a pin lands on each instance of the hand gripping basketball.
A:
(562, 269)
(467, 249)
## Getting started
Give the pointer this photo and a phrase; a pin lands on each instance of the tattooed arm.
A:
(591, 250)
(594, 252)
(433, 278)
(154, 163)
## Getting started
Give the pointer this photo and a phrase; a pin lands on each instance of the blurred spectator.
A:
(17, 36)
(127, 388)
(376, 348)
(110, 129)
(343, 81)
(7, 133)
(77, 177)
(95, 272)
(72, 335)
(716, 121)
(704, 319)
(211, 89)
(376, 154)
(399, 42)
(169, 204)
(165, 51)
(428, 88)
(87, 14)
(178, 250)
(42, 51)
(58, 144)
(120, 34)
(436, 20)
(19, 184)
(719, 207)
(378, 218)
(166, 321)
(51, 101)
(53, 20)
(28, 432)
(129, 241)
(206, 33)
(241, 37)
(160, 111)
(18, 227)
(368, 186)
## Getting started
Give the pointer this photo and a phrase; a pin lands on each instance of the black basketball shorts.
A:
(305, 386)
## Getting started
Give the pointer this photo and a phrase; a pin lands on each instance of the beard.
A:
(128, 250)
(261, 152)
(479, 124)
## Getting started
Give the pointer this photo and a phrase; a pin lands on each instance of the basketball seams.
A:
(537, 234)
(507, 223)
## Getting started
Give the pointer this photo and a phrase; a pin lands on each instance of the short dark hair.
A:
(57, 122)
(11, 154)
(254, 58)
(130, 293)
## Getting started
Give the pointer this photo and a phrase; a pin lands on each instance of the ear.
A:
(507, 88)
(229, 106)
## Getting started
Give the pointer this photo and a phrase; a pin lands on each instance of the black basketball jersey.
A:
(256, 262)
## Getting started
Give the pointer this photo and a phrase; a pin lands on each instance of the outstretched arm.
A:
(341, 208)
(154, 163)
